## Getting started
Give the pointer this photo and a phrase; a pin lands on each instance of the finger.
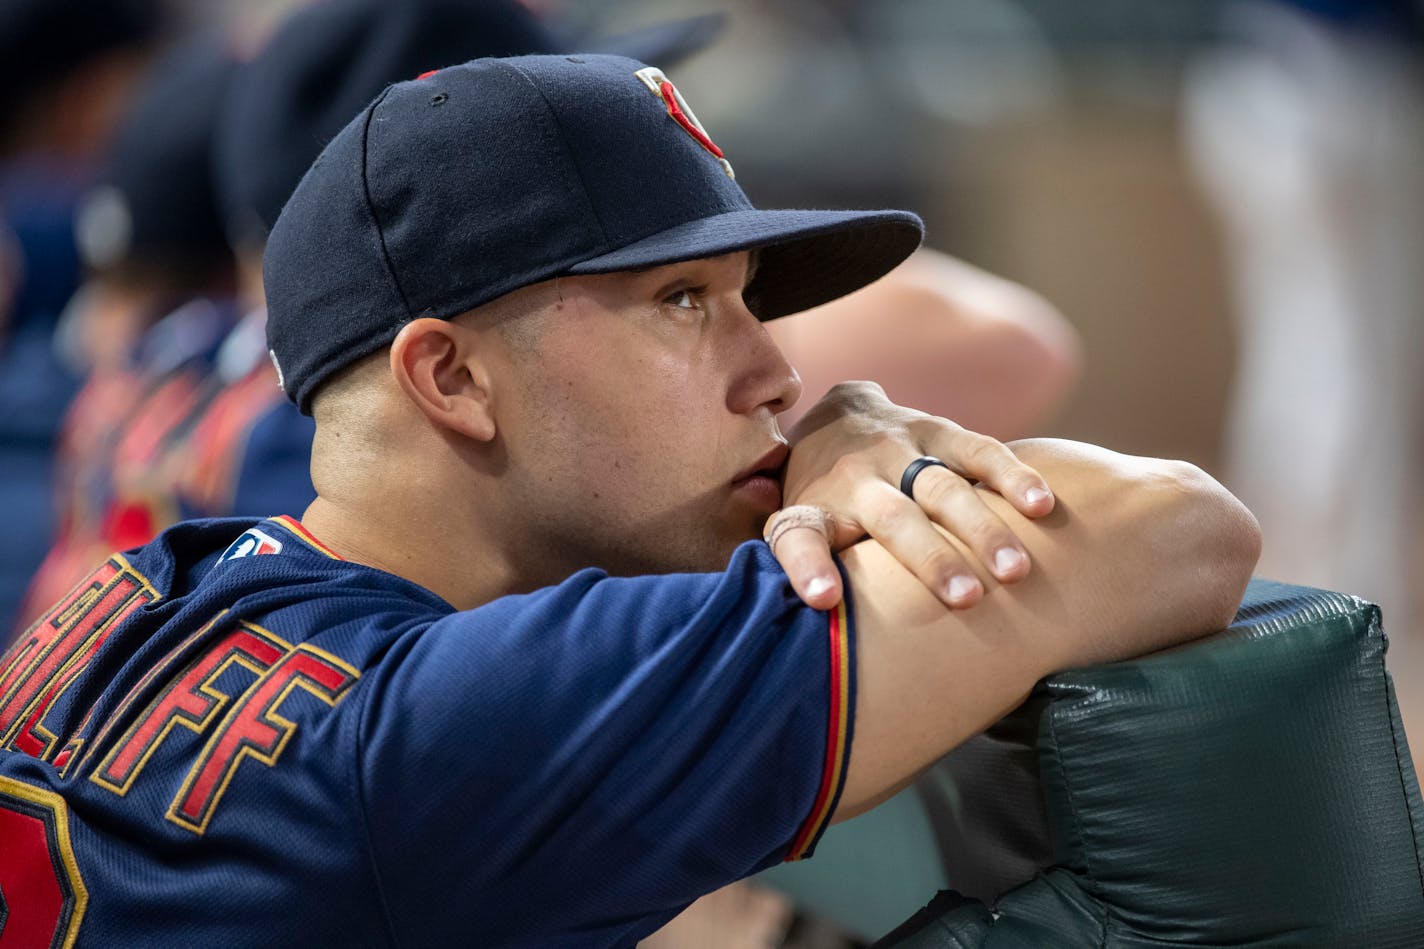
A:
(958, 507)
(805, 555)
(905, 530)
(799, 537)
(994, 464)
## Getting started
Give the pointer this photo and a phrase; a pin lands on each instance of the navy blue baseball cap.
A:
(452, 190)
(328, 59)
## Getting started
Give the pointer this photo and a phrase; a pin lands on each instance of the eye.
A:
(682, 299)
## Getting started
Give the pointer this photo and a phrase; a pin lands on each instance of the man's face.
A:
(643, 436)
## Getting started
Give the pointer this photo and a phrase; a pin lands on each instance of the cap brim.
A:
(805, 258)
(662, 44)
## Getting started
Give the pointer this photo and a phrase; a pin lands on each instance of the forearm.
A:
(1139, 554)
(1161, 551)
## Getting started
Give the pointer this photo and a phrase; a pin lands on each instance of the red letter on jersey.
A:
(254, 728)
(45, 660)
(190, 701)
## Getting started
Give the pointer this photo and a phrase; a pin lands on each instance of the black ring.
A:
(907, 480)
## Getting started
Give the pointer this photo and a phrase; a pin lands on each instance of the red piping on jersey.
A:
(833, 772)
(295, 526)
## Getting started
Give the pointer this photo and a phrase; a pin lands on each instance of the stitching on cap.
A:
(563, 146)
(371, 205)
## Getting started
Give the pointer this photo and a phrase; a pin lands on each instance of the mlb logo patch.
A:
(253, 543)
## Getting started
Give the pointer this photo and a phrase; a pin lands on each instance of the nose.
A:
(762, 376)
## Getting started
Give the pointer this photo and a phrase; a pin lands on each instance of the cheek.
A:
(684, 418)
(660, 445)
(628, 428)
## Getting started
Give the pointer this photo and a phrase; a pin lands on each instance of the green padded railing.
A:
(1250, 789)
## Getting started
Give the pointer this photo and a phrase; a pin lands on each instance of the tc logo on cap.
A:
(681, 112)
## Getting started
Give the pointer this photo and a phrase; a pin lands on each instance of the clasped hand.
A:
(847, 456)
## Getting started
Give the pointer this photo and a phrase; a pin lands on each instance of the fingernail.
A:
(817, 586)
(1007, 560)
(1035, 495)
(961, 587)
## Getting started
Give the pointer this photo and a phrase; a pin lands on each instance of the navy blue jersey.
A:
(231, 737)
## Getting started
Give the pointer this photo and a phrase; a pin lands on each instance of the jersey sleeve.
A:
(601, 753)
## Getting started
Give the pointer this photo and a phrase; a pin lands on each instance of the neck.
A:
(436, 552)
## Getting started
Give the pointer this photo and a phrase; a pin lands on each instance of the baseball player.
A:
(525, 673)
(937, 332)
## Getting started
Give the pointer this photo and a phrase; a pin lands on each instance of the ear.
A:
(438, 367)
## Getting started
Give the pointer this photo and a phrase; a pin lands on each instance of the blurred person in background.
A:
(1305, 125)
(67, 68)
(145, 325)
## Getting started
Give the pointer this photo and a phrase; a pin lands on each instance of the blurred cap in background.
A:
(154, 207)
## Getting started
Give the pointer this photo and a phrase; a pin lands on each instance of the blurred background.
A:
(1223, 199)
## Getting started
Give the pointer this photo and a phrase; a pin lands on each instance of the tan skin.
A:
(607, 421)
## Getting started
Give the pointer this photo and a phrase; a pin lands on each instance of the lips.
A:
(758, 487)
(767, 466)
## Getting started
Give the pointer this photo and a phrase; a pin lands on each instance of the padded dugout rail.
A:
(1253, 788)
